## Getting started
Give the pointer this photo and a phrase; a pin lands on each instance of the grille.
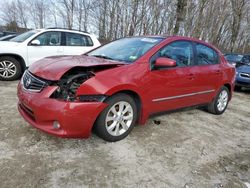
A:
(32, 83)
(245, 75)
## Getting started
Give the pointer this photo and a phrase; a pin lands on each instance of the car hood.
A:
(7, 44)
(244, 68)
(53, 68)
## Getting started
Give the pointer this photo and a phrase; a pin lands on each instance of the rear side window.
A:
(180, 51)
(50, 39)
(206, 55)
(74, 39)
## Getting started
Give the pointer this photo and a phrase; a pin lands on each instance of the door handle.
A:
(191, 76)
(218, 72)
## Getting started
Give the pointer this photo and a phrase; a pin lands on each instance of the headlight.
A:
(68, 85)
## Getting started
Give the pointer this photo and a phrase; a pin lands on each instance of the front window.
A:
(180, 51)
(52, 38)
(126, 49)
(22, 37)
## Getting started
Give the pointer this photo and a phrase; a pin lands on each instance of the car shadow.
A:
(189, 110)
(243, 90)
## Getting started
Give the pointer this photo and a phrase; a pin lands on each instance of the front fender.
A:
(94, 86)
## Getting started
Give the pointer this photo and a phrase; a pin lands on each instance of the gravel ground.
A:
(189, 148)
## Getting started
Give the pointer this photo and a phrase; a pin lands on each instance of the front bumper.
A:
(243, 82)
(75, 118)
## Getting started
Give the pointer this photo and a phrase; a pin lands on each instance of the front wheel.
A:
(118, 119)
(219, 104)
(10, 68)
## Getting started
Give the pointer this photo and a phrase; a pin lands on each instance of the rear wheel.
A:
(219, 104)
(10, 68)
(118, 119)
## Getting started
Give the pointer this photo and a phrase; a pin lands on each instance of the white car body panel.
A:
(30, 53)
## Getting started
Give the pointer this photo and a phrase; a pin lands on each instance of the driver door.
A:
(173, 87)
(50, 45)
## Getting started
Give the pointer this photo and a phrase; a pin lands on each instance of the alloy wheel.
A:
(7, 69)
(222, 100)
(119, 118)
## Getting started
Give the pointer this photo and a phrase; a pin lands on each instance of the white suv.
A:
(21, 51)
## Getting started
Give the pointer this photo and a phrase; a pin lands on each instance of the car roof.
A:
(180, 38)
(175, 37)
(69, 30)
(62, 29)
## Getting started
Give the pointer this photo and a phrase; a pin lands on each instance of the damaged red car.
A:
(120, 84)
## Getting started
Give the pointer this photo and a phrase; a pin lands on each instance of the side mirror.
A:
(163, 62)
(35, 42)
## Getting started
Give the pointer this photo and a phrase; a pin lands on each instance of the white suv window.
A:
(50, 39)
(74, 39)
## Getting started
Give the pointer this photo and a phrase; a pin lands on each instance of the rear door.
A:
(208, 71)
(76, 44)
(50, 45)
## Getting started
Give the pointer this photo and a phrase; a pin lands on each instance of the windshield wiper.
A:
(103, 56)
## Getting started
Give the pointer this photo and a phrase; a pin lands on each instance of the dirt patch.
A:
(188, 148)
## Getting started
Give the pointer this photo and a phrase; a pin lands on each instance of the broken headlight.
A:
(68, 85)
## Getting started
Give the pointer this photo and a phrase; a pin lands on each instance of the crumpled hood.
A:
(244, 68)
(52, 68)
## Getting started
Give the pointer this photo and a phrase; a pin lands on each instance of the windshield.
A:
(233, 57)
(5, 37)
(22, 37)
(126, 49)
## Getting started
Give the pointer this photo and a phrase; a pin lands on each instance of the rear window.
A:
(74, 39)
(206, 55)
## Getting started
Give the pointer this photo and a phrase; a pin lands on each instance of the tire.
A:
(237, 88)
(10, 68)
(112, 125)
(220, 102)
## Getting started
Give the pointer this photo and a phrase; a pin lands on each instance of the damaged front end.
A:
(67, 83)
(70, 82)
(66, 87)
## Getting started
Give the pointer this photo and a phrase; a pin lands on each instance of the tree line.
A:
(224, 23)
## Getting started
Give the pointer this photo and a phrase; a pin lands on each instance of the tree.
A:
(237, 12)
(180, 14)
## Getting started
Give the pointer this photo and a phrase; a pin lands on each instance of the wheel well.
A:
(18, 58)
(136, 97)
(228, 86)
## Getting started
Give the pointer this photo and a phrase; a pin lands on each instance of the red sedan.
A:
(122, 83)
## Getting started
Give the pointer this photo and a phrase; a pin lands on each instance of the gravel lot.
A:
(189, 148)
